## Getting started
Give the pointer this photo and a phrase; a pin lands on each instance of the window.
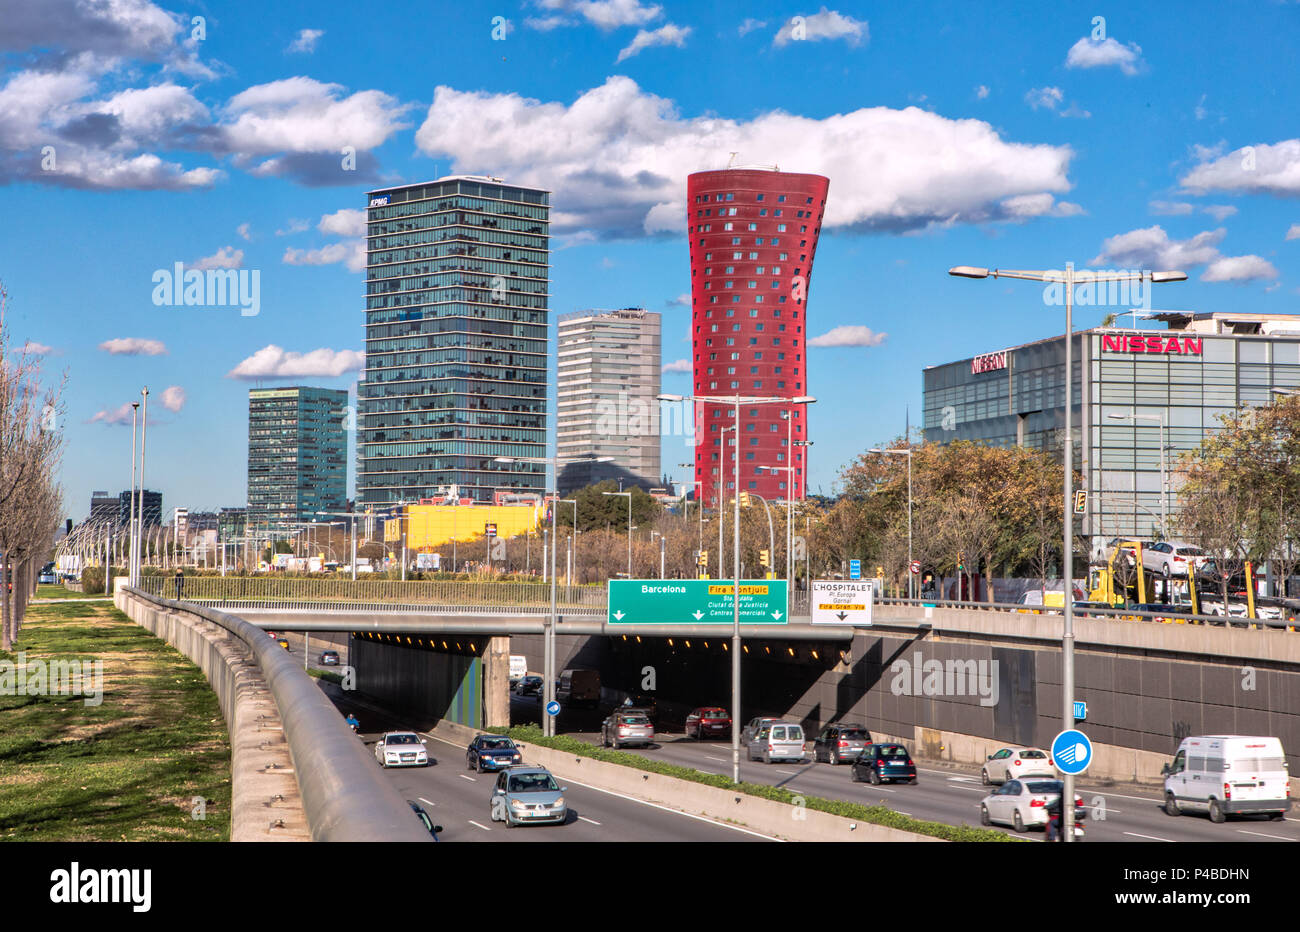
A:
(777, 212)
(731, 270)
(758, 241)
(759, 198)
(758, 355)
(708, 271)
(732, 197)
(753, 256)
(772, 427)
(780, 228)
(731, 211)
(728, 284)
(708, 257)
(755, 285)
(809, 201)
(714, 299)
(737, 255)
(728, 226)
(753, 370)
(735, 328)
(781, 199)
(731, 312)
(737, 385)
(753, 312)
(783, 256)
(731, 370)
(781, 328)
(735, 241)
(759, 270)
(803, 228)
(776, 241)
(759, 327)
(763, 212)
(753, 227)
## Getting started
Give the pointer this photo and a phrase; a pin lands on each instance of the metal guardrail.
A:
(265, 591)
(344, 794)
(1117, 614)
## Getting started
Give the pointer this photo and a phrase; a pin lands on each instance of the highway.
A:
(952, 795)
(458, 799)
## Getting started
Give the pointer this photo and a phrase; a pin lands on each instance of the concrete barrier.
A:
(765, 816)
(297, 770)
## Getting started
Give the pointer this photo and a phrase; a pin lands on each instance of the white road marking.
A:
(901, 812)
(977, 789)
(423, 800)
(585, 819)
(1149, 837)
(464, 776)
(480, 825)
(720, 760)
(791, 772)
(1264, 835)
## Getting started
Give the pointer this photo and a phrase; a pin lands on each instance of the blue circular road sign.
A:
(1071, 751)
(552, 708)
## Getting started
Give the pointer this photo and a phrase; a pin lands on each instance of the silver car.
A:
(750, 731)
(778, 741)
(623, 728)
(528, 794)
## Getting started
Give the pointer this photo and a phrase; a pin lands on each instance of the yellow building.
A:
(431, 526)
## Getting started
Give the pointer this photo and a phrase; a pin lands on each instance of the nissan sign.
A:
(988, 362)
(1122, 343)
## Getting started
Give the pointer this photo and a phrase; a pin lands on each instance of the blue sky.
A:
(134, 138)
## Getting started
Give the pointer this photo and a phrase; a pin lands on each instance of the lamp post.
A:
(736, 402)
(1068, 278)
(629, 528)
(548, 645)
(130, 531)
(144, 434)
(1164, 475)
(908, 454)
(573, 532)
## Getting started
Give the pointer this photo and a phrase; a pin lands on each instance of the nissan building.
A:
(1132, 391)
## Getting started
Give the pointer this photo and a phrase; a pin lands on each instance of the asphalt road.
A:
(953, 796)
(458, 799)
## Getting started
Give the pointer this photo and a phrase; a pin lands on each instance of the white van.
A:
(1228, 774)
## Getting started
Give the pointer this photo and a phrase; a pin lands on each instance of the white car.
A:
(1170, 558)
(1022, 804)
(1013, 763)
(401, 749)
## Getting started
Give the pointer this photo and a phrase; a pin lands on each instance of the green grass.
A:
(59, 592)
(875, 815)
(127, 769)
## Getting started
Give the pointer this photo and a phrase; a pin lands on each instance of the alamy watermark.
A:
(1093, 289)
(53, 678)
(181, 287)
(931, 678)
(631, 416)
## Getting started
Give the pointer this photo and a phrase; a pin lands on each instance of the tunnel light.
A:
(768, 649)
(458, 645)
(815, 657)
(688, 643)
(638, 638)
(791, 651)
(444, 645)
(706, 645)
(472, 648)
(625, 637)
(670, 642)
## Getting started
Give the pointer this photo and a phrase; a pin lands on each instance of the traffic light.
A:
(764, 558)
(1080, 501)
(744, 499)
(961, 560)
(703, 557)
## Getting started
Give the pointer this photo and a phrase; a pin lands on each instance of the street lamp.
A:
(548, 640)
(908, 454)
(629, 528)
(1068, 278)
(736, 401)
(573, 534)
(699, 506)
(1164, 476)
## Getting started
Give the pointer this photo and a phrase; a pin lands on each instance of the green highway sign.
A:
(695, 602)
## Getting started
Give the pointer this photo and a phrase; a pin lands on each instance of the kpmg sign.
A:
(988, 362)
(1122, 343)
(381, 201)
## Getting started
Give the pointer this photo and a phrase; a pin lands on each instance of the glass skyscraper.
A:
(297, 454)
(457, 280)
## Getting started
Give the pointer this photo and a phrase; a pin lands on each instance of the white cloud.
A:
(295, 225)
(1090, 53)
(606, 14)
(345, 222)
(749, 25)
(849, 335)
(352, 253)
(274, 362)
(1293, 232)
(1047, 97)
(617, 157)
(667, 34)
(173, 398)
(306, 41)
(1219, 211)
(1239, 269)
(32, 348)
(227, 257)
(120, 28)
(1170, 208)
(982, 92)
(121, 415)
(682, 300)
(133, 346)
(245, 231)
(545, 23)
(827, 24)
(1261, 169)
(1151, 248)
(680, 365)
(1027, 206)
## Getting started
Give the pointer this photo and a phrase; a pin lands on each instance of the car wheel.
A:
(853, 774)
(1018, 822)
(1276, 816)
(1171, 805)
(874, 777)
(1167, 573)
(984, 815)
(833, 758)
(912, 781)
(1216, 811)
(767, 755)
(984, 778)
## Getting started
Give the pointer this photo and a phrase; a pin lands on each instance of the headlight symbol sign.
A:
(1071, 751)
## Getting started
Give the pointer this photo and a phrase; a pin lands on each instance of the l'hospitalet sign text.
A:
(1123, 343)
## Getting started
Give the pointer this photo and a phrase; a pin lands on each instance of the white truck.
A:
(518, 668)
(1226, 775)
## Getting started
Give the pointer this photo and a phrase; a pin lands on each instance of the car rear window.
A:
(787, 733)
(854, 734)
(893, 750)
(1045, 786)
(1032, 755)
(1190, 551)
(634, 720)
(713, 713)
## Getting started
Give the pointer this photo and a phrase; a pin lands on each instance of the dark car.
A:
(424, 818)
(329, 658)
(884, 763)
(491, 752)
(642, 702)
(1162, 609)
(839, 743)
(708, 722)
(530, 685)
